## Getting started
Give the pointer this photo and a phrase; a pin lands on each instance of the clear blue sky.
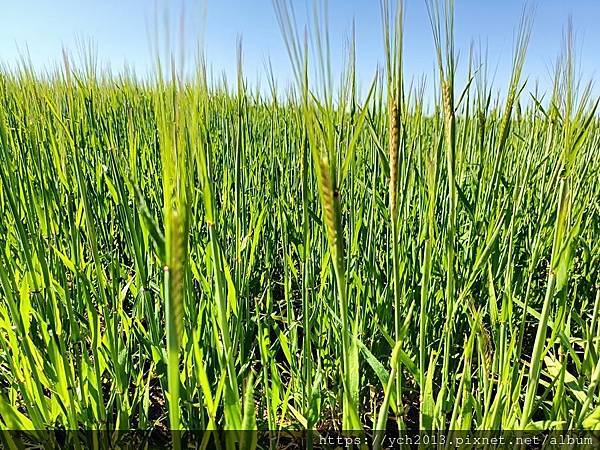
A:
(122, 31)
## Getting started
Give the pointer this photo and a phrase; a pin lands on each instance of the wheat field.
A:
(180, 255)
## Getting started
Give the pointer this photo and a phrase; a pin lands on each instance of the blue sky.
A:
(122, 31)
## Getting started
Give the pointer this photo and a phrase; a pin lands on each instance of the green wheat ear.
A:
(175, 268)
(174, 286)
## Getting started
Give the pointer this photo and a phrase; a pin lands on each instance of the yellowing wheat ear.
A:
(394, 125)
(330, 214)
